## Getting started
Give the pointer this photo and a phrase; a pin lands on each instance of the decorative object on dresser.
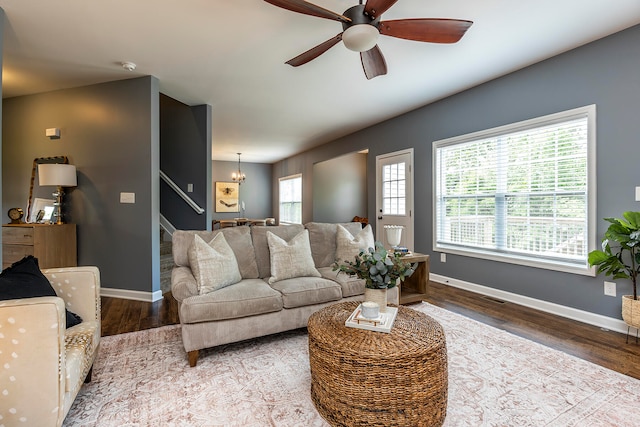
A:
(53, 245)
(15, 215)
(620, 259)
(58, 175)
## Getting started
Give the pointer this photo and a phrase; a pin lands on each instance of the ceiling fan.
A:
(361, 27)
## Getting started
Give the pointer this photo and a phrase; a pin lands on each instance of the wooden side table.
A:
(415, 287)
(366, 378)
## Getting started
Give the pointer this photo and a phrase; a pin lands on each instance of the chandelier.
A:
(238, 176)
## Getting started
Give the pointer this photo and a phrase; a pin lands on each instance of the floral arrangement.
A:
(380, 269)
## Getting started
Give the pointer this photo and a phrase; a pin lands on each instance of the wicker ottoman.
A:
(365, 378)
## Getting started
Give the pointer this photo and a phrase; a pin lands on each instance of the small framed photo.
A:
(227, 196)
(44, 205)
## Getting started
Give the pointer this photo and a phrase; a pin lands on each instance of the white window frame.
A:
(280, 202)
(588, 112)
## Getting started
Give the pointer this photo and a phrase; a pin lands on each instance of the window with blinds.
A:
(291, 199)
(522, 193)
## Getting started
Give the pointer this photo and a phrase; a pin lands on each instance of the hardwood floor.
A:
(605, 348)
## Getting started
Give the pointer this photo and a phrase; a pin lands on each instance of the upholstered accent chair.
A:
(43, 364)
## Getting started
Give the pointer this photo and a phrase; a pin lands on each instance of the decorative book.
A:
(383, 323)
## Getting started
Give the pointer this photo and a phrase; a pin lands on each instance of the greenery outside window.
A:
(291, 199)
(522, 193)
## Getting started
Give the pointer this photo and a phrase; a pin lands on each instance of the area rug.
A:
(495, 379)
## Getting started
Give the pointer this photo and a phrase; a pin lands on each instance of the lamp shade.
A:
(57, 174)
(360, 37)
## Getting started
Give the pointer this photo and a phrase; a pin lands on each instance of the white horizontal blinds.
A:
(523, 192)
(291, 199)
(394, 189)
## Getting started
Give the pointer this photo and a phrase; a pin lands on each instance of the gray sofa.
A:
(253, 307)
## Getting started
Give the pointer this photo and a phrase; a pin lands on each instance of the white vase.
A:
(378, 296)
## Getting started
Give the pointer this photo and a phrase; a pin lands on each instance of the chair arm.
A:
(79, 287)
(32, 361)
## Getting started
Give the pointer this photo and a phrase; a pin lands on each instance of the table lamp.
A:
(59, 175)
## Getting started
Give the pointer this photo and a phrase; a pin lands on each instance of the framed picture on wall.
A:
(227, 196)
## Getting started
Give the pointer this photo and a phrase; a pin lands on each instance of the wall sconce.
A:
(59, 175)
(238, 176)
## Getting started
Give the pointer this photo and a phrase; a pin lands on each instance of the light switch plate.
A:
(637, 194)
(127, 197)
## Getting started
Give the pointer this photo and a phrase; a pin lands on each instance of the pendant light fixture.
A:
(238, 176)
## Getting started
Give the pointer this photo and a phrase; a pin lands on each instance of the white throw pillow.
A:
(348, 246)
(292, 258)
(214, 264)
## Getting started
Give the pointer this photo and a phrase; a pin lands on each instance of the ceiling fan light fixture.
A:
(360, 37)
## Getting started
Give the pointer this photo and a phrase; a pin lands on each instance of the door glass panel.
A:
(394, 189)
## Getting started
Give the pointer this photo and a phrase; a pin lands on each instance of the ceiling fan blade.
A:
(375, 8)
(314, 52)
(373, 63)
(426, 29)
(307, 8)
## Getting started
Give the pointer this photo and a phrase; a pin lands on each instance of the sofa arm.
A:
(183, 283)
(32, 361)
(79, 287)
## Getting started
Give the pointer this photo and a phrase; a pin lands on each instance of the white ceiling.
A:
(231, 53)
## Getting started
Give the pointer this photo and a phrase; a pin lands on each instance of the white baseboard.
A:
(133, 295)
(548, 307)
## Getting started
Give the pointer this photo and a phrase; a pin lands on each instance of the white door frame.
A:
(408, 219)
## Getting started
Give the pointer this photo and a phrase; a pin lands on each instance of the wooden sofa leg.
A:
(87, 379)
(193, 357)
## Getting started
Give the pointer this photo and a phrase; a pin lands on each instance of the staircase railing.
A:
(181, 193)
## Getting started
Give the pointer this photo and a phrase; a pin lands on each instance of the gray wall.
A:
(255, 191)
(340, 188)
(110, 131)
(185, 150)
(604, 73)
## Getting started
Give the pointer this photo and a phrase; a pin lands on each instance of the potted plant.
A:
(380, 269)
(620, 259)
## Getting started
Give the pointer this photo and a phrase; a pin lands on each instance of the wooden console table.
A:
(415, 287)
(53, 245)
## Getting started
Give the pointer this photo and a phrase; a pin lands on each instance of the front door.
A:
(394, 195)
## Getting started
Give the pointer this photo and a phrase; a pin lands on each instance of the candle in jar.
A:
(370, 309)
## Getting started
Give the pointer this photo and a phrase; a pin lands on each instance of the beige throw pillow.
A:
(292, 258)
(348, 246)
(213, 264)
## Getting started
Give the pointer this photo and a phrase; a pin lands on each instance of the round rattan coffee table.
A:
(366, 378)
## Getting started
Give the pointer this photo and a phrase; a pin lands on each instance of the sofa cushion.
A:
(351, 285)
(290, 258)
(239, 238)
(248, 297)
(25, 280)
(322, 237)
(261, 246)
(349, 246)
(213, 264)
(301, 291)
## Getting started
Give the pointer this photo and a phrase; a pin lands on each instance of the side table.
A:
(414, 288)
(366, 378)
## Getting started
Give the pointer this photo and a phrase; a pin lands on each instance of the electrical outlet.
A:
(610, 288)
(443, 257)
(189, 188)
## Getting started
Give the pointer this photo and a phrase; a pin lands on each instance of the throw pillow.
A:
(25, 280)
(348, 246)
(291, 259)
(213, 264)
